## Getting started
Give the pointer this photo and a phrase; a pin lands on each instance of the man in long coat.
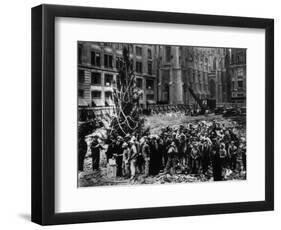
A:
(82, 150)
(216, 160)
(95, 153)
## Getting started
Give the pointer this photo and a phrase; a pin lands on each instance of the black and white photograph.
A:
(140, 115)
(160, 114)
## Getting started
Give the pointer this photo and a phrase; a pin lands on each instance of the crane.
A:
(202, 105)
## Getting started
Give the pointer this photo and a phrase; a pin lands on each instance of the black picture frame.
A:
(43, 114)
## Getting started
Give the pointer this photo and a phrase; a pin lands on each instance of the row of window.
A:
(139, 67)
(120, 47)
(149, 83)
(240, 58)
(96, 78)
(108, 80)
(238, 95)
(96, 60)
(139, 52)
(239, 84)
(138, 48)
(108, 61)
(96, 94)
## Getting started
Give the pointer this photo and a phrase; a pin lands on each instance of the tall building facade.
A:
(98, 69)
(236, 63)
(201, 69)
(166, 74)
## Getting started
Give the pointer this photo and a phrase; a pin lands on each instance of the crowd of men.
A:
(208, 148)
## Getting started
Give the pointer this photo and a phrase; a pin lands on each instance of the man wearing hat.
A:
(223, 155)
(205, 156)
(216, 160)
(242, 153)
(95, 152)
(82, 150)
(145, 150)
(182, 147)
(112, 148)
(154, 156)
(119, 155)
(171, 162)
(126, 162)
(195, 158)
(133, 158)
(232, 153)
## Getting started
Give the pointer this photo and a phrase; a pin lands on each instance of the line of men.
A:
(201, 148)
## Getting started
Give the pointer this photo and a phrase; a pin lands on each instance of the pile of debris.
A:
(176, 178)
(233, 175)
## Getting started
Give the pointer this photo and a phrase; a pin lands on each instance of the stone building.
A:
(166, 74)
(236, 63)
(201, 69)
(98, 68)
